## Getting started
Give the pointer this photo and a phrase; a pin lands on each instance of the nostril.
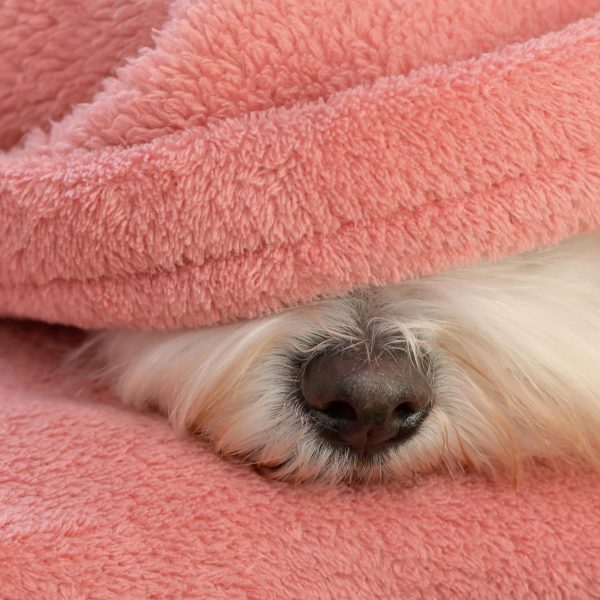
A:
(404, 410)
(340, 411)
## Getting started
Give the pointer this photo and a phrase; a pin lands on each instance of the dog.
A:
(486, 368)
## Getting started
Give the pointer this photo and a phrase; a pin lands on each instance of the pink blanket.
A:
(246, 155)
(257, 154)
(100, 502)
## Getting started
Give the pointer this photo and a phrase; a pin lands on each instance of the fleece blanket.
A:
(174, 163)
(188, 163)
(99, 502)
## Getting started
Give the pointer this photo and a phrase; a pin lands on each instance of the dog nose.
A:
(365, 404)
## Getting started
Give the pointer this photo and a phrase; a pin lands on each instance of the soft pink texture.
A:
(256, 154)
(261, 153)
(100, 502)
(55, 53)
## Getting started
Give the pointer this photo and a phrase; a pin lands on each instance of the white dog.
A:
(485, 367)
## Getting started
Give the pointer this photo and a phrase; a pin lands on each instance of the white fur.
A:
(513, 357)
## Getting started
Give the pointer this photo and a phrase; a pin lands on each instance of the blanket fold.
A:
(261, 154)
(176, 163)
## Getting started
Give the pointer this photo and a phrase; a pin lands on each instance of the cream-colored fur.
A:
(512, 351)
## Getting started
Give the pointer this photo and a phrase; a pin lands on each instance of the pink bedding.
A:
(258, 154)
(184, 163)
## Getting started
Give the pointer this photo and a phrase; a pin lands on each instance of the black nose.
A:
(365, 404)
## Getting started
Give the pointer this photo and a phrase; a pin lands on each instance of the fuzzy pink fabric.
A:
(247, 155)
(55, 54)
(99, 502)
(256, 154)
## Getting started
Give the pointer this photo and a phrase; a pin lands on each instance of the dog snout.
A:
(365, 404)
